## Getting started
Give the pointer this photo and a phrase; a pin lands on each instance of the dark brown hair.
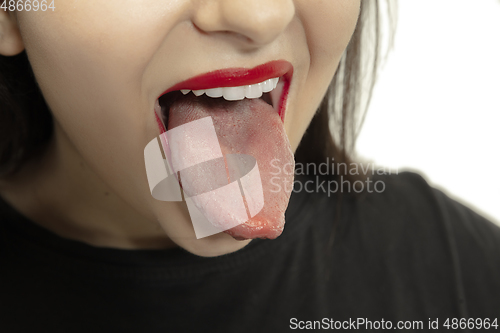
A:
(26, 123)
(335, 126)
(25, 120)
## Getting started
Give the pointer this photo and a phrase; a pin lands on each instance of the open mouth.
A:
(247, 108)
(271, 91)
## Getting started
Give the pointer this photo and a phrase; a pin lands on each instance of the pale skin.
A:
(102, 64)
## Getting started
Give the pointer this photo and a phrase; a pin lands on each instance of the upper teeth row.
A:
(238, 93)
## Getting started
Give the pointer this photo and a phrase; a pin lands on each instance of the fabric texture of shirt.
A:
(409, 253)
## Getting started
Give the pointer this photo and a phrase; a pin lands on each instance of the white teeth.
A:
(215, 93)
(275, 82)
(253, 91)
(233, 93)
(238, 93)
(267, 86)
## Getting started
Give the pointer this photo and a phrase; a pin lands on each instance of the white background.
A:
(436, 106)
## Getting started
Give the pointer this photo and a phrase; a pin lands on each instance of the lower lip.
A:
(160, 124)
(287, 78)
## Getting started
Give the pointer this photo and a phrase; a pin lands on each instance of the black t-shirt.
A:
(408, 254)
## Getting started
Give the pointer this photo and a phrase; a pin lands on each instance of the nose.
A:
(259, 21)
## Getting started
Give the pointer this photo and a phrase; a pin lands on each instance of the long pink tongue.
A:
(251, 127)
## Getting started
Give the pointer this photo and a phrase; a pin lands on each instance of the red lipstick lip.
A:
(235, 77)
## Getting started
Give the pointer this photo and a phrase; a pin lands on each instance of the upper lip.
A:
(235, 77)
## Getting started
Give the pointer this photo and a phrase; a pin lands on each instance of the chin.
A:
(213, 246)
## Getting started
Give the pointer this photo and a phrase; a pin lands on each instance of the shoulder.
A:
(408, 204)
(433, 235)
(408, 198)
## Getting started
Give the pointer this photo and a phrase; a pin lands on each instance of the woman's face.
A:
(102, 65)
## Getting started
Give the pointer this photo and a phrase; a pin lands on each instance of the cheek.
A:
(328, 27)
(90, 72)
(83, 57)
